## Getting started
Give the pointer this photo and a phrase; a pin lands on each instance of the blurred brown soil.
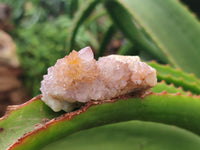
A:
(12, 91)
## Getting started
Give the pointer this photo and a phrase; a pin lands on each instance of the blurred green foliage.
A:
(39, 47)
(28, 12)
(40, 32)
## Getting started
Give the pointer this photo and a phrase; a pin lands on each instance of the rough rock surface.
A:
(80, 78)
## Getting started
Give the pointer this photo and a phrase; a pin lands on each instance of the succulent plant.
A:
(168, 33)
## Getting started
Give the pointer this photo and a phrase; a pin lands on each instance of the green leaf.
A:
(22, 119)
(129, 135)
(80, 17)
(73, 7)
(124, 22)
(177, 77)
(179, 110)
(172, 28)
(106, 39)
(162, 86)
(128, 49)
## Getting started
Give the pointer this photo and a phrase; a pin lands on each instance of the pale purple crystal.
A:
(80, 78)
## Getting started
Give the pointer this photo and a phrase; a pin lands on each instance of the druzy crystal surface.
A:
(78, 77)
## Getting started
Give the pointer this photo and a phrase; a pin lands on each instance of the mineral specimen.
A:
(80, 78)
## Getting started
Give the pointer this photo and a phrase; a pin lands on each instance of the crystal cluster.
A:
(80, 78)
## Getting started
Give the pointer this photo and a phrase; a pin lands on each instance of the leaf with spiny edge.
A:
(175, 109)
(179, 78)
(25, 111)
(21, 119)
(162, 86)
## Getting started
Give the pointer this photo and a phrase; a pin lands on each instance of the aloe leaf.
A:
(129, 48)
(73, 7)
(124, 21)
(98, 13)
(93, 39)
(176, 76)
(129, 135)
(179, 110)
(106, 39)
(80, 17)
(162, 86)
(23, 118)
(175, 31)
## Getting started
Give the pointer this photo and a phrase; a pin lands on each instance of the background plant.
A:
(40, 32)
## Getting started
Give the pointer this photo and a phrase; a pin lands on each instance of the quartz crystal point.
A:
(80, 78)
